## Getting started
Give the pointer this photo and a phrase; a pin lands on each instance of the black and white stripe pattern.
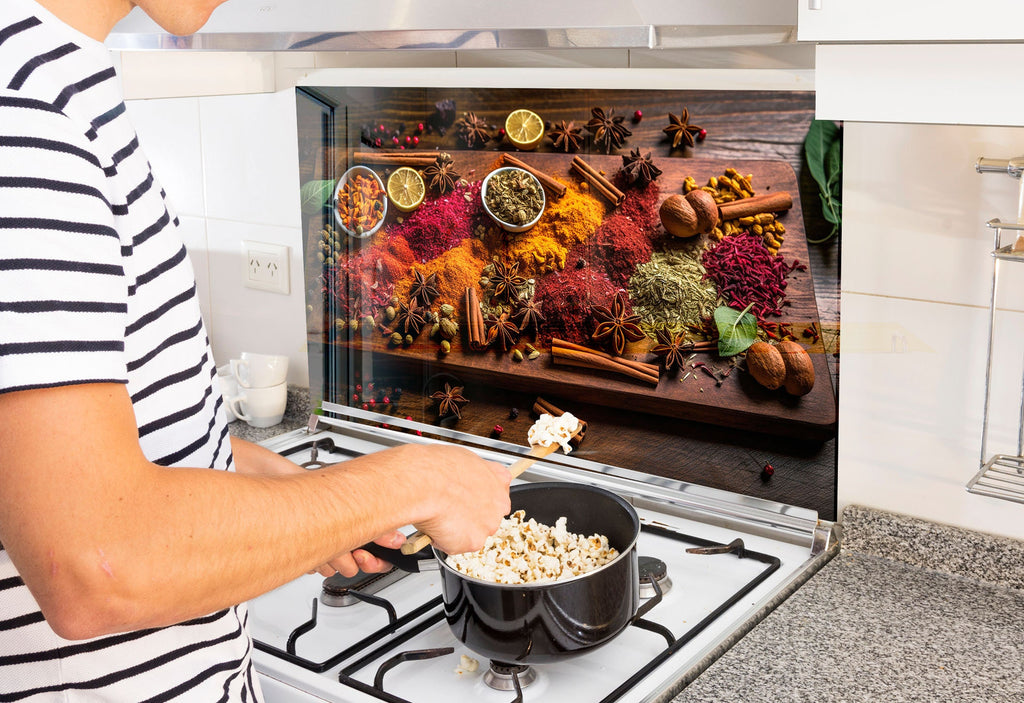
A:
(96, 287)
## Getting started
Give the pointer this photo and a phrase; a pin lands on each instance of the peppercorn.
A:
(637, 116)
(498, 429)
(513, 413)
(767, 472)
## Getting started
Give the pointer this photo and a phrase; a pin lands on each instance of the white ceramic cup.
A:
(260, 370)
(228, 388)
(260, 407)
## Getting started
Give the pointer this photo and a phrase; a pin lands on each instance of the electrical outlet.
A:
(265, 266)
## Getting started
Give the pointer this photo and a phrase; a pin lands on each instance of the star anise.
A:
(615, 325)
(673, 347)
(410, 318)
(567, 137)
(450, 401)
(639, 168)
(506, 281)
(441, 175)
(472, 130)
(680, 131)
(503, 331)
(608, 130)
(528, 315)
(423, 288)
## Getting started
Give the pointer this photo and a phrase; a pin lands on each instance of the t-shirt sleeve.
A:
(63, 289)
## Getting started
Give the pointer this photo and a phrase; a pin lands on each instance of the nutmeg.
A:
(706, 209)
(678, 216)
(799, 369)
(766, 365)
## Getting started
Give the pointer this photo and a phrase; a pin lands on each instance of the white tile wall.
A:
(230, 167)
(916, 284)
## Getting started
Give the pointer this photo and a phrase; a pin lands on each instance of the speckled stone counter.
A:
(908, 611)
(296, 415)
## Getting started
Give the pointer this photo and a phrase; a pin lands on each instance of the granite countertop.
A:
(909, 610)
(296, 415)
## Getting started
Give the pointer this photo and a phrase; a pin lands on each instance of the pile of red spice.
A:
(565, 298)
(362, 283)
(746, 273)
(441, 223)
(626, 238)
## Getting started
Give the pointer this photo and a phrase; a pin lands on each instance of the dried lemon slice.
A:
(406, 189)
(524, 128)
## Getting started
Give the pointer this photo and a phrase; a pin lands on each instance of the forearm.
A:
(98, 532)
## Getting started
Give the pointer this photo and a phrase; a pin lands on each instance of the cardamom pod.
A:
(449, 328)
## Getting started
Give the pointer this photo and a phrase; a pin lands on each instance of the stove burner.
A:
(338, 590)
(653, 568)
(501, 676)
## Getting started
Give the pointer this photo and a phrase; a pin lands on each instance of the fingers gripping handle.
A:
(418, 540)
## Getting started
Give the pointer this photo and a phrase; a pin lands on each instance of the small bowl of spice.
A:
(360, 203)
(513, 198)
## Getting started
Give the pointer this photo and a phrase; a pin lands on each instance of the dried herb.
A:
(680, 131)
(823, 152)
(737, 330)
(441, 175)
(472, 131)
(616, 325)
(566, 136)
(639, 168)
(671, 291)
(607, 128)
(450, 401)
(514, 196)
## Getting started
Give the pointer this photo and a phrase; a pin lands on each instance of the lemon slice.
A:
(524, 128)
(406, 189)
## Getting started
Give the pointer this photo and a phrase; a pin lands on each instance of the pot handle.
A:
(414, 563)
(651, 602)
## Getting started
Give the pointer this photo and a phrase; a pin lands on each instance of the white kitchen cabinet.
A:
(910, 20)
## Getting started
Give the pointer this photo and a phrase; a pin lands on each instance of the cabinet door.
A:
(910, 20)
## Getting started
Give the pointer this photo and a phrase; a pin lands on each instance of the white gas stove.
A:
(385, 638)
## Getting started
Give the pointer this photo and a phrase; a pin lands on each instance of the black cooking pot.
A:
(542, 622)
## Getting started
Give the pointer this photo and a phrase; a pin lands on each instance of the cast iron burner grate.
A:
(431, 613)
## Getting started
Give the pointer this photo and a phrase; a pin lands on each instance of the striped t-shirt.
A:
(95, 287)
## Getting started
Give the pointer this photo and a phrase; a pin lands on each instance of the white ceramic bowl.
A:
(506, 225)
(352, 173)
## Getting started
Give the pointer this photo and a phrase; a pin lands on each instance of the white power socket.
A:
(265, 266)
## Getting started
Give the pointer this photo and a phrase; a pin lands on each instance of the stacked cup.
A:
(262, 392)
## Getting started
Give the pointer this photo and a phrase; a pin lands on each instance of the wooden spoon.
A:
(418, 540)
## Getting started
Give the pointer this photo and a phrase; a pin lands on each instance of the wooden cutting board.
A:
(738, 402)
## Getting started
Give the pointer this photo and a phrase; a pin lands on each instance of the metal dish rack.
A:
(1001, 475)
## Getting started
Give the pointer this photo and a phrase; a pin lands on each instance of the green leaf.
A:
(314, 195)
(834, 165)
(820, 137)
(737, 330)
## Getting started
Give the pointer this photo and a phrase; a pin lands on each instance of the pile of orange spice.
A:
(360, 204)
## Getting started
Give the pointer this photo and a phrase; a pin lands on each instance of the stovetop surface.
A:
(700, 585)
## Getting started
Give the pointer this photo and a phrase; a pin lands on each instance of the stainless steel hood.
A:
(346, 25)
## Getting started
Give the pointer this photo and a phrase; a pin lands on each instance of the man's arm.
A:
(107, 541)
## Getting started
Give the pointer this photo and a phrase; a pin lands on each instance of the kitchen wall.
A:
(916, 272)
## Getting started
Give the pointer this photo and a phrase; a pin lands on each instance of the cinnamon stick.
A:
(601, 184)
(474, 320)
(649, 369)
(570, 357)
(556, 188)
(391, 159)
(748, 207)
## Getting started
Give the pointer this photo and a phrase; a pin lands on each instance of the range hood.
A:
(346, 25)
